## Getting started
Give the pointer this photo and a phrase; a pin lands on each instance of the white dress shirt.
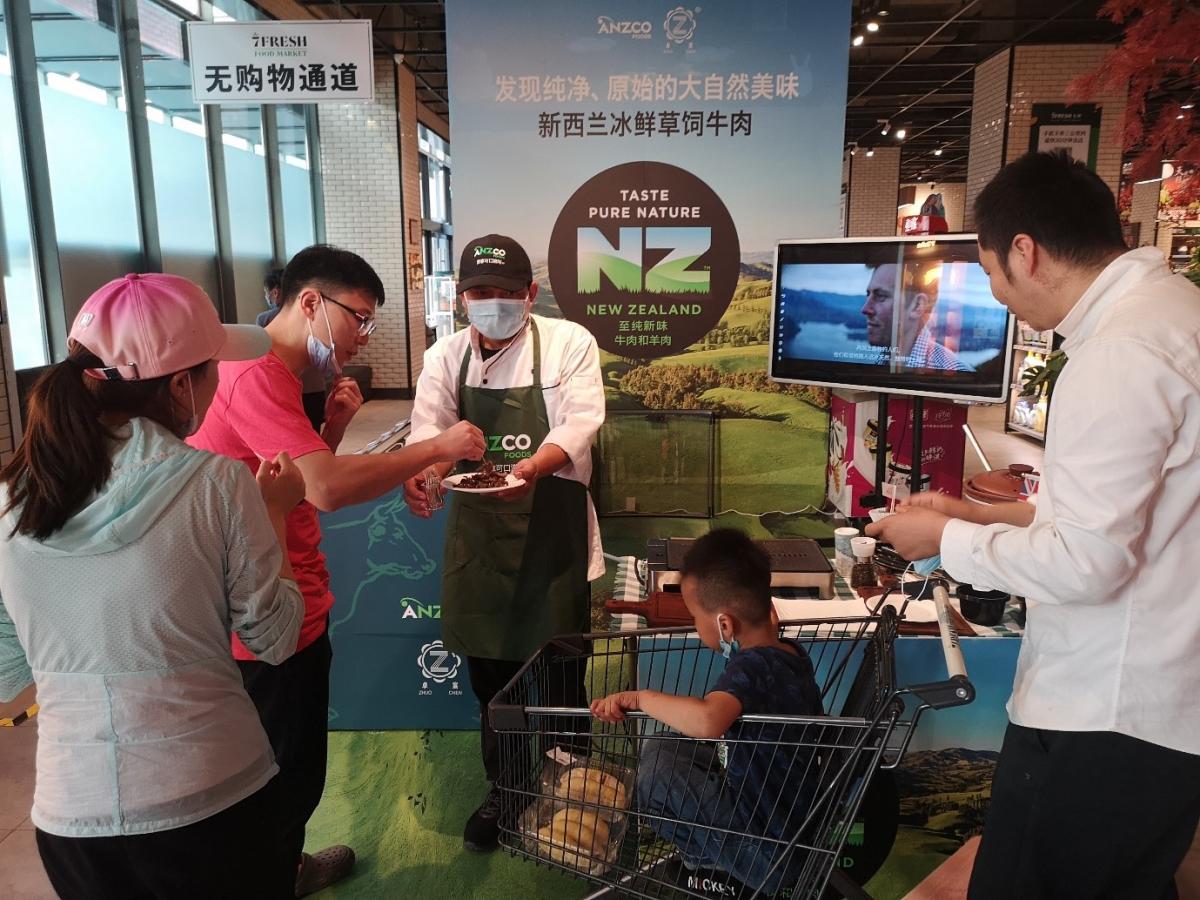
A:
(1109, 565)
(571, 387)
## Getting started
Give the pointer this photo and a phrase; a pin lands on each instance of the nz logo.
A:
(623, 264)
(437, 663)
(644, 255)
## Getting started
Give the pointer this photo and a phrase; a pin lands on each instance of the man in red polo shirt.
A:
(327, 313)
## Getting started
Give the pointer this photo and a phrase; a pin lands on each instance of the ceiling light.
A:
(886, 128)
(937, 152)
(1187, 105)
(901, 133)
(871, 152)
(857, 40)
(872, 26)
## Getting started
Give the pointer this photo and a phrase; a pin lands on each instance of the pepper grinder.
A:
(863, 573)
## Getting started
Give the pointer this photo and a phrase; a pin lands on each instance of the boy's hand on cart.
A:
(914, 532)
(612, 708)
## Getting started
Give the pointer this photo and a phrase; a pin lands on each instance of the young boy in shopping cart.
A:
(737, 818)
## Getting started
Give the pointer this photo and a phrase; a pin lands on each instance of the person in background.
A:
(532, 384)
(327, 314)
(766, 786)
(271, 295)
(1097, 790)
(126, 558)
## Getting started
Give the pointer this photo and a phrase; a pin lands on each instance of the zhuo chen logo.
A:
(680, 26)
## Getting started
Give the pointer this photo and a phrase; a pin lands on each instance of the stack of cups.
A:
(843, 558)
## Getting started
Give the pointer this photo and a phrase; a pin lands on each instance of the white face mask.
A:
(498, 318)
(323, 359)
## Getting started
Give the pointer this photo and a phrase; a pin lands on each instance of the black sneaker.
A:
(482, 834)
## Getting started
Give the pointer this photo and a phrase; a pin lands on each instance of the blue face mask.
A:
(323, 359)
(728, 648)
(925, 567)
(497, 319)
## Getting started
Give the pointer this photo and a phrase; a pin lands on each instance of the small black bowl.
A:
(980, 606)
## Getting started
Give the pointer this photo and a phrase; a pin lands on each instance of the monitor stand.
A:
(877, 499)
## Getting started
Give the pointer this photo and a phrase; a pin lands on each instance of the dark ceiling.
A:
(916, 71)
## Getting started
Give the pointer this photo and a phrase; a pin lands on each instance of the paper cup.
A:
(843, 556)
(863, 547)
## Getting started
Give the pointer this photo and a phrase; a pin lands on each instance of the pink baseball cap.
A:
(147, 326)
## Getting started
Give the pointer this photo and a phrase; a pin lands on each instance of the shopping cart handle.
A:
(955, 691)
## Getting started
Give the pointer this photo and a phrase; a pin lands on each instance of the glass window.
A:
(27, 327)
(87, 144)
(249, 211)
(294, 178)
(179, 155)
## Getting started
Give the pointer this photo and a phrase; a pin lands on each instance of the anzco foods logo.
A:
(493, 252)
(646, 257)
(437, 663)
(639, 30)
(509, 443)
(416, 610)
(680, 26)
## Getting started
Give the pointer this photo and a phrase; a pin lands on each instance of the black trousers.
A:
(1086, 815)
(563, 685)
(293, 703)
(228, 855)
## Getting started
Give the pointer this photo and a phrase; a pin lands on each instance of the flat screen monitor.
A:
(897, 315)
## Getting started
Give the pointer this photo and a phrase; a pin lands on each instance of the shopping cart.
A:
(570, 784)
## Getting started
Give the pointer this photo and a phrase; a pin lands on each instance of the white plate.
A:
(451, 482)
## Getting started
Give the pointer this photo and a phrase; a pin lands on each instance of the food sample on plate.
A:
(574, 837)
(590, 785)
(486, 477)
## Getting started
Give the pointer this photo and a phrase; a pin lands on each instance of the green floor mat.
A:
(400, 799)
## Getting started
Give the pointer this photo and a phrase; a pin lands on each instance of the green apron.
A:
(514, 573)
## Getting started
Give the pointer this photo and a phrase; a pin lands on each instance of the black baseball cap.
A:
(494, 261)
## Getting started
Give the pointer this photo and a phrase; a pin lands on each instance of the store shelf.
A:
(1031, 348)
(1026, 430)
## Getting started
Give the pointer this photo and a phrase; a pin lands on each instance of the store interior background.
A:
(940, 97)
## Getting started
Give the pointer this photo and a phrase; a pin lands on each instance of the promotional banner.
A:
(281, 62)
(649, 157)
(390, 669)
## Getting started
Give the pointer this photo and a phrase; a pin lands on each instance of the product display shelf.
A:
(1027, 416)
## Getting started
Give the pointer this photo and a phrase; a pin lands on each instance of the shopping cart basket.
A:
(569, 783)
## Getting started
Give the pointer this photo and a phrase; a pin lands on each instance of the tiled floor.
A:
(21, 874)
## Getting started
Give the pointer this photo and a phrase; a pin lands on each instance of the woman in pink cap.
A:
(126, 559)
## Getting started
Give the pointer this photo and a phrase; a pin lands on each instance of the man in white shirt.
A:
(517, 563)
(1097, 792)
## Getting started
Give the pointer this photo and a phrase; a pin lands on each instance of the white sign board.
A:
(281, 62)
(1075, 139)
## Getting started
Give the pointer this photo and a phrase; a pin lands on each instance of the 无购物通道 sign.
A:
(281, 62)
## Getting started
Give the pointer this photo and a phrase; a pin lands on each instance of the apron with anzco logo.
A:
(515, 573)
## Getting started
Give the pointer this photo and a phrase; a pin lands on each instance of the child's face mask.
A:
(728, 648)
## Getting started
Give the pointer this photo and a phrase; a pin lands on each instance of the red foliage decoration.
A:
(1161, 42)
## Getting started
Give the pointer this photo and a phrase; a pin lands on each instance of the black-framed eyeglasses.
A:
(366, 324)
